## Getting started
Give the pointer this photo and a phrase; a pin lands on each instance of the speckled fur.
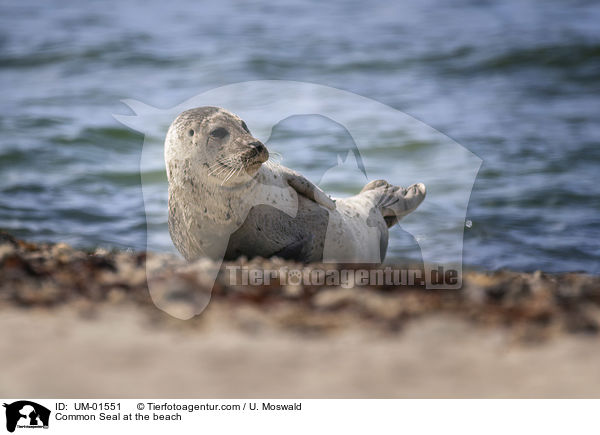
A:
(266, 209)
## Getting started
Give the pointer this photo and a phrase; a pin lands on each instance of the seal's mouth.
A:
(255, 156)
(248, 160)
(253, 165)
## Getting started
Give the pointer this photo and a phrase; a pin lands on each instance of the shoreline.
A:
(49, 275)
(502, 335)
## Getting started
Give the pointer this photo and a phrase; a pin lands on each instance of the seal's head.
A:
(216, 143)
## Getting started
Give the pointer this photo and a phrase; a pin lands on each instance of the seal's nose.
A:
(259, 151)
(258, 146)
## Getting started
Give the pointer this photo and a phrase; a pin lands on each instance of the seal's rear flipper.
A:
(395, 202)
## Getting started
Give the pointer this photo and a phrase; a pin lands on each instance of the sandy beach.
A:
(82, 324)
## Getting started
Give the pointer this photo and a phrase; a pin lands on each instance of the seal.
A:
(227, 199)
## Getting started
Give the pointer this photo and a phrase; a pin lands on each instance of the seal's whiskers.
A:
(222, 166)
(275, 156)
(229, 175)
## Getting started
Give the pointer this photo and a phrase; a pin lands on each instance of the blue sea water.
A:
(515, 82)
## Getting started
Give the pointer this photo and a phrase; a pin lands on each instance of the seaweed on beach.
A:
(532, 305)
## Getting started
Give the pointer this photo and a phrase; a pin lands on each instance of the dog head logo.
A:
(26, 414)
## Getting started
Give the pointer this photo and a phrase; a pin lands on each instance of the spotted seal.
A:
(227, 199)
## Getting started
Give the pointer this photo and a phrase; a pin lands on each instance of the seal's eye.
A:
(191, 132)
(245, 127)
(219, 133)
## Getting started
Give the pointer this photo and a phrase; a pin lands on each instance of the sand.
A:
(82, 324)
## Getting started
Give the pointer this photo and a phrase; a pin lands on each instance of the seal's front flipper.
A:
(305, 188)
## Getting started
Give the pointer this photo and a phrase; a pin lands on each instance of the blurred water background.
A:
(515, 82)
